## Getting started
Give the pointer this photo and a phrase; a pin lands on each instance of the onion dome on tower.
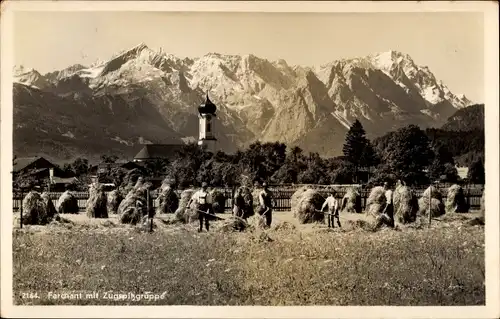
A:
(206, 116)
(208, 107)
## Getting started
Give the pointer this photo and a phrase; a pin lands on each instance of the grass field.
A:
(294, 265)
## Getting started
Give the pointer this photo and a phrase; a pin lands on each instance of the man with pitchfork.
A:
(333, 209)
(203, 199)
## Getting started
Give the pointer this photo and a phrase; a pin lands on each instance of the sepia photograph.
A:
(210, 157)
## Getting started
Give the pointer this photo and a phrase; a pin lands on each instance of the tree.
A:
(407, 155)
(357, 148)
(442, 167)
(68, 169)
(80, 166)
(341, 172)
(156, 167)
(476, 172)
(109, 159)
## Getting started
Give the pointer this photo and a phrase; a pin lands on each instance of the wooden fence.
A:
(283, 196)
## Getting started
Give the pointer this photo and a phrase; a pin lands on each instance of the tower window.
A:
(209, 127)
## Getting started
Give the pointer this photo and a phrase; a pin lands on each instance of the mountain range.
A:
(141, 96)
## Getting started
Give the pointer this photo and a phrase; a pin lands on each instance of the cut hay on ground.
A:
(376, 201)
(184, 213)
(351, 202)
(50, 210)
(362, 224)
(218, 201)
(167, 201)
(405, 205)
(307, 210)
(67, 204)
(257, 222)
(284, 226)
(97, 204)
(114, 200)
(135, 205)
(436, 207)
(455, 201)
(34, 210)
(233, 224)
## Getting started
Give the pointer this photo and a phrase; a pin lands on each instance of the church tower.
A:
(206, 115)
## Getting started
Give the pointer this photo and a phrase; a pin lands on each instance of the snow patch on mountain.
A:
(121, 141)
(341, 118)
(69, 134)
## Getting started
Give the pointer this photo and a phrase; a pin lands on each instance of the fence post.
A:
(430, 201)
(21, 209)
(149, 211)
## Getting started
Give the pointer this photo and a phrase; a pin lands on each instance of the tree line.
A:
(415, 156)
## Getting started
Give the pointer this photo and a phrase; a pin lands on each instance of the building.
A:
(207, 113)
(43, 172)
(157, 151)
(38, 166)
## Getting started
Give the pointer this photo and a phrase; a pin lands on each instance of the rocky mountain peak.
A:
(257, 99)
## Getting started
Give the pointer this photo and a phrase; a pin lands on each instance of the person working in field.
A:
(389, 205)
(333, 210)
(266, 204)
(204, 205)
(239, 204)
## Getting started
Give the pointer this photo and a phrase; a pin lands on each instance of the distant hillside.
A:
(466, 119)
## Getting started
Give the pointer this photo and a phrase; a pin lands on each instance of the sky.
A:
(451, 44)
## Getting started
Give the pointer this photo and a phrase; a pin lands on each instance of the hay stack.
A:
(436, 193)
(34, 210)
(167, 200)
(218, 201)
(97, 204)
(376, 201)
(135, 206)
(405, 205)
(351, 202)
(50, 209)
(294, 200)
(184, 213)
(437, 207)
(455, 201)
(308, 206)
(67, 204)
(436, 202)
(132, 179)
(114, 200)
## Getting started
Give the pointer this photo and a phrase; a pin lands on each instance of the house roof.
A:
(103, 167)
(154, 151)
(21, 162)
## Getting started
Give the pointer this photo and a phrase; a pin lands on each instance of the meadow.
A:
(100, 262)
